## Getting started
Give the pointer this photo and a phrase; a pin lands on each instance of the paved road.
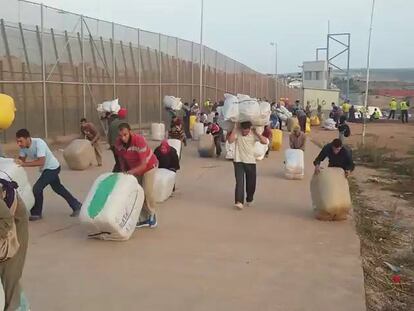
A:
(204, 255)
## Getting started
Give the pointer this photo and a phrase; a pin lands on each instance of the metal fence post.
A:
(43, 71)
(160, 75)
(113, 61)
(83, 68)
(139, 82)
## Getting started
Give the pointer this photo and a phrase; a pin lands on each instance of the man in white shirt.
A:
(244, 161)
(38, 153)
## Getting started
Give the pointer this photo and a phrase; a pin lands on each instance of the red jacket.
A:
(135, 153)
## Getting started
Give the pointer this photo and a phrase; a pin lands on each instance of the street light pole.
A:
(201, 52)
(365, 110)
(276, 75)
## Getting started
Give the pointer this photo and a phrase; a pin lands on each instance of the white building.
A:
(315, 75)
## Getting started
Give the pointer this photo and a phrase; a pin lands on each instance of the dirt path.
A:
(205, 255)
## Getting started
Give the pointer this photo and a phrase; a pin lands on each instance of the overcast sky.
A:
(243, 29)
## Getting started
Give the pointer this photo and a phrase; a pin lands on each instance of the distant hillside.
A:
(400, 75)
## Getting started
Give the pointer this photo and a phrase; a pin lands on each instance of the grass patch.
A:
(381, 241)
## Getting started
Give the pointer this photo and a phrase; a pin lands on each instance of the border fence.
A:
(58, 66)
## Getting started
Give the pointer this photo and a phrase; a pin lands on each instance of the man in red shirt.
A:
(136, 158)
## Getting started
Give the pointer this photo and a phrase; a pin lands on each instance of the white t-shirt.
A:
(244, 148)
(39, 149)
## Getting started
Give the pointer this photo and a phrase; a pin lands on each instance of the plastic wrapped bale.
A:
(230, 150)
(226, 125)
(111, 106)
(206, 146)
(308, 126)
(329, 124)
(9, 170)
(157, 131)
(260, 150)
(173, 103)
(294, 164)
(112, 207)
(79, 155)
(230, 110)
(330, 194)
(291, 123)
(249, 110)
(176, 144)
(277, 139)
(198, 130)
(314, 120)
(164, 183)
(265, 111)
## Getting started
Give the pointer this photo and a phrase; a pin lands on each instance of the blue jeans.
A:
(51, 177)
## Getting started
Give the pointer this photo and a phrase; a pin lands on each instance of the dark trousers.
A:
(186, 121)
(392, 114)
(242, 172)
(117, 166)
(217, 142)
(302, 123)
(404, 116)
(51, 177)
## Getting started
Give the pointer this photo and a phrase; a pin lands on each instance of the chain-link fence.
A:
(58, 66)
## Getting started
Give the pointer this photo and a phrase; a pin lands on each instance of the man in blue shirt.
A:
(38, 153)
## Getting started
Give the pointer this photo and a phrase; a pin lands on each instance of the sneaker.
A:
(35, 217)
(75, 212)
(153, 221)
(141, 224)
(239, 206)
(250, 204)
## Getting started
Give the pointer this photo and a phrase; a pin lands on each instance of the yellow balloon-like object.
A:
(7, 109)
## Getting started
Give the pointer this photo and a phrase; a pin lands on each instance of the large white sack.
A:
(112, 207)
(206, 146)
(157, 131)
(265, 111)
(260, 150)
(2, 297)
(285, 111)
(329, 124)
(230, 110)
(230, 149)
(164, 182)
(198, 130)
(226, 125)
(111, 106)
(173, 103)
(249, 110)
(244, 97)
(176, 144)
(294, 164)
(330, 194)
(11, 171)
(79, 155)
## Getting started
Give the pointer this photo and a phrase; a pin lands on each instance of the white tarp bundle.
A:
(79, 155)
(173, 103)
(198, 130)
(294, 164)
(176, 144)
(330, 194)
(164, 182)
(230, 150)
(157, 131)
(260, 150)
(9, 170)
(329, 124)
(110, 106)
(283, 113)
(112, 207)
(244, 108)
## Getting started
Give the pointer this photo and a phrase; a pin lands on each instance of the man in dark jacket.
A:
(338, 155)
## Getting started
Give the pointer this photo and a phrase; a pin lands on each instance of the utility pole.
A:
(365, 110)
(201, 52)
